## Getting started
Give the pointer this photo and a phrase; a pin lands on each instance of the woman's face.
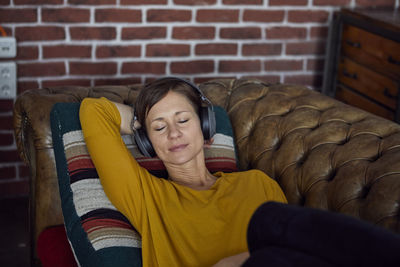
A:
(173, 127)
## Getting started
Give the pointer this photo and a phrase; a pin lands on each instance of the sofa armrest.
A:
(34, 143)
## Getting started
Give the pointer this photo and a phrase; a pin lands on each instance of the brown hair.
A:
(158, 89)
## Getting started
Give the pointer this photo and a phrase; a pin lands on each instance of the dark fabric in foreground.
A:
(287, 235)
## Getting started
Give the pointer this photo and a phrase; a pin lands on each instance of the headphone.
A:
(206, 114)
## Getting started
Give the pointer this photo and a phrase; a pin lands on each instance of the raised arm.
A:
(121, 176)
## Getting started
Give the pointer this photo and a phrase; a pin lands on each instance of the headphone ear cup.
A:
(207, 119)
(144, 144)
(212, 120)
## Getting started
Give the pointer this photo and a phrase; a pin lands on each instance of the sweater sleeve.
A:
(121, 176)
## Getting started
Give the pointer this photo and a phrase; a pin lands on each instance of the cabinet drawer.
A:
(370, 83)
(352, 98)
(370, 49)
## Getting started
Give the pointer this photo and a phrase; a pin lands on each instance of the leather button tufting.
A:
(331, 175)
(364, 191)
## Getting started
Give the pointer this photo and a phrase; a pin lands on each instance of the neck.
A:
(193, 174)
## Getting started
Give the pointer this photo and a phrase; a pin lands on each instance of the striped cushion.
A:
(99, 234)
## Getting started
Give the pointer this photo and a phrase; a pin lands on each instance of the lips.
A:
(177, 148)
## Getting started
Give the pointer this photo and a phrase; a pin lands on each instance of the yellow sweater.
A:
(179, 226)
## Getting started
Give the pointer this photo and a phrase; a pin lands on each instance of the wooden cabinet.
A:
(363, 60)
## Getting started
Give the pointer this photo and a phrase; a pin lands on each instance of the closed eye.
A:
(159, 129)
(183, 121)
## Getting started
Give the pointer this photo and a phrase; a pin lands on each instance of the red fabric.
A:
(53, 248)
(93, 224)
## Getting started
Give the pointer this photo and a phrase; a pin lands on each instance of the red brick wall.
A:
(96, 42)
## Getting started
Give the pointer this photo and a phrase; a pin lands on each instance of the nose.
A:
(174, 131)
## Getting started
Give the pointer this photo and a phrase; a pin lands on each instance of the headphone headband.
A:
(202, 96)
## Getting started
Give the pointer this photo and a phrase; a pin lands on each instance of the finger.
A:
(137, 125)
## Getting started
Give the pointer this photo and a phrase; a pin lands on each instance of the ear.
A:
(208, 143)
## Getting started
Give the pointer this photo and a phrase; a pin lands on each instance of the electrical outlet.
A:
(8, 47)
(8, 80)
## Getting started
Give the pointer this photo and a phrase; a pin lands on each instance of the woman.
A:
(193, 218)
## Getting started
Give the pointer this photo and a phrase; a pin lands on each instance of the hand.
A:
(126, 113)
(208, 143)
(233, 261)
(136, 125)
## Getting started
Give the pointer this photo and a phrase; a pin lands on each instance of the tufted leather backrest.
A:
(323, 153)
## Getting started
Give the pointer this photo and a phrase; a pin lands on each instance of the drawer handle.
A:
(388, 94)
(353, 44)
(393, 61)
(350, 75)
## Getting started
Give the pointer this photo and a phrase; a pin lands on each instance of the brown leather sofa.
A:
(324, 154)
